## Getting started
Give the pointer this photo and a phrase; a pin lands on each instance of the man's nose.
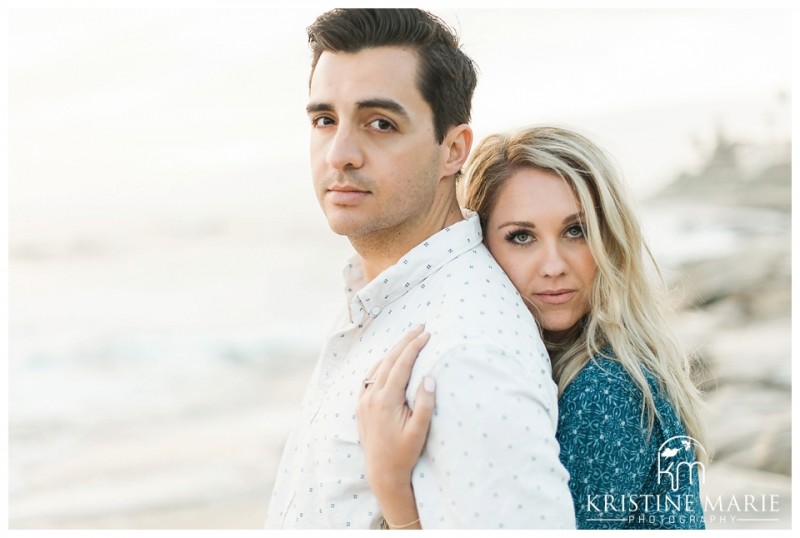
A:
(345, 150)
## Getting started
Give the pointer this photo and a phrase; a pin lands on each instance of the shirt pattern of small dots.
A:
(491, 459)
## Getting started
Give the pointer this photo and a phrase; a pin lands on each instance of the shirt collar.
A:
(414, 267)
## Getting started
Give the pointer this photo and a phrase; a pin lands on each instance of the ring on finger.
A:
(368, 382)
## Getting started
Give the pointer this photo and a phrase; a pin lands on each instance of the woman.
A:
(555, 217)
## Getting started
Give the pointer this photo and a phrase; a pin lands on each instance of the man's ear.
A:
(457, 143)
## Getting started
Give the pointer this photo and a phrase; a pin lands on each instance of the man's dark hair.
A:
(446, 76)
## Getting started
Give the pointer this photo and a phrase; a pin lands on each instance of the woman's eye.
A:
(382, 125)
(576, 231)
(520, 238)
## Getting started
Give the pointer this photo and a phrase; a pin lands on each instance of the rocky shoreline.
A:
(735, 315)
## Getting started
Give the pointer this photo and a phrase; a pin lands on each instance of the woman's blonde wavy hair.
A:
(629, 305)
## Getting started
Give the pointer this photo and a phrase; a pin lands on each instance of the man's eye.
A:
(321, 121)
(382, 125)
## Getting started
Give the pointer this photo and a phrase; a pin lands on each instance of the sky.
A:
(136, 113)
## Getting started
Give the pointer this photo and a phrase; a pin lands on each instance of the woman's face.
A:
(536, 233)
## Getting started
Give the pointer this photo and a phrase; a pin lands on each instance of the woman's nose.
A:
(552, 261)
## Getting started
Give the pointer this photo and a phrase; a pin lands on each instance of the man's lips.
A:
(345, 195)
(555, 296)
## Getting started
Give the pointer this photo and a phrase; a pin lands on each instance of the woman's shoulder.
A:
(602, 409)
(607, 383)
(603, 369)
(604, 382)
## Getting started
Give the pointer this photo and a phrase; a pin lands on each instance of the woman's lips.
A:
(556, 296)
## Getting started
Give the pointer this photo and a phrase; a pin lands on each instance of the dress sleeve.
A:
(491, 459)
(604, 444)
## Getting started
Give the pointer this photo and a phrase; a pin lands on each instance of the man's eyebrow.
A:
(366, 104)
(386, 104)
(318, 107)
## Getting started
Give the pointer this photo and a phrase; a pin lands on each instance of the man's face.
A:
(375, 161)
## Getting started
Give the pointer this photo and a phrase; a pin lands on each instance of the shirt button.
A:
(376, 311)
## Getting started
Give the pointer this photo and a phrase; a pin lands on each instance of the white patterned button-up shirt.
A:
(491, 459)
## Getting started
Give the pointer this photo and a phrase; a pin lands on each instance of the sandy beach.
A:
(210, 468)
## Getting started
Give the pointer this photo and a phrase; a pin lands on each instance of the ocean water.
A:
(108, 327)
(155, 367)
(92, 321)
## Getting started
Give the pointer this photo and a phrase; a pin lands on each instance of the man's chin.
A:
(356, 225)
(345, 226)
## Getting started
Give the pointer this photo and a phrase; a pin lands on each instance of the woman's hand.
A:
(392, 435)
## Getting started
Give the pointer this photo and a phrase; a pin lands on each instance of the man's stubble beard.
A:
(385, 233)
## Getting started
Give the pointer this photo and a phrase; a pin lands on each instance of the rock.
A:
(764, 268)
(740, 498)
(758, 353)
(750, 426)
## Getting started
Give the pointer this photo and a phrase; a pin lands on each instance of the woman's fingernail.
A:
(430, 384)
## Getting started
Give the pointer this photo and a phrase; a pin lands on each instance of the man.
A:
(389, 105)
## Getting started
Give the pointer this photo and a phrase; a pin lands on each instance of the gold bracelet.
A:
(397, 527)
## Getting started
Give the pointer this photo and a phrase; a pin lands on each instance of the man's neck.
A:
(382, 249)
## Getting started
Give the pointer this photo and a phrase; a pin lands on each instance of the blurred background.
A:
(171, 277)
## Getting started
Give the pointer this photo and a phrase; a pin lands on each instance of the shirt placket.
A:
(335, 354)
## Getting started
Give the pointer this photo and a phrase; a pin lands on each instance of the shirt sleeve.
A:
(491, 459)
(604, 445)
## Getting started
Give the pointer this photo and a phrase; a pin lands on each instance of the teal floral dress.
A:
(622, 476)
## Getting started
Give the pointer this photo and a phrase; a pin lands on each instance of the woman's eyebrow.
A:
(576, 216)
(518, 223)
